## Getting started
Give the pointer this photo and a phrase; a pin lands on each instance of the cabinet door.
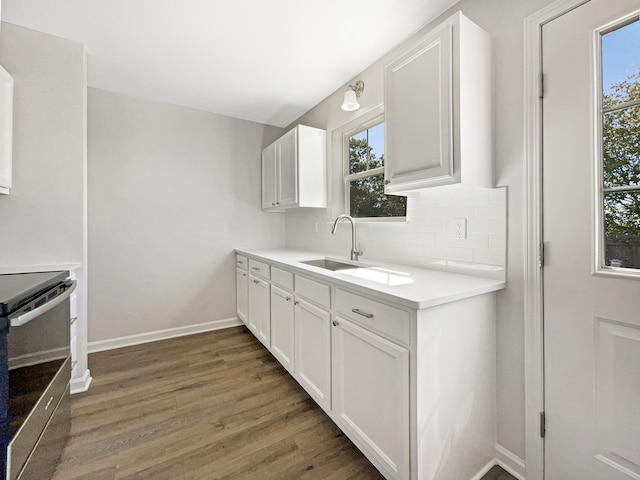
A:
(313, 351)
(371, 395)
(287, 184)
(282, 314)
(242, 294)
(259, 310)
(269, 174)
(6, 130)
(418, 112)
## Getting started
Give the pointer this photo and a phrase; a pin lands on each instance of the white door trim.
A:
(533, 317)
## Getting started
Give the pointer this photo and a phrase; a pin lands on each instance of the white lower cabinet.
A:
(371, 395)
(414, 389)
(282, 319)
(313, 351)
(259, 310)
(242, 295)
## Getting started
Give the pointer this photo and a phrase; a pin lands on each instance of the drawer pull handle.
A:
(244, 274)
(46, 407)
(73, 320)
(257, 269)
(239, 262)
(296, 302)
(257, 282)
(360, 312)
(336, 323)
(288, 299)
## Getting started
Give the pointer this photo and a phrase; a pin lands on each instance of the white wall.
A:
(172, 191)
(503, 19)
(42, 218)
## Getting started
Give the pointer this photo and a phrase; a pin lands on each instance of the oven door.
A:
(39, 374)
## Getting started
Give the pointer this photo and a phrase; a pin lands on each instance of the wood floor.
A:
(208, 406)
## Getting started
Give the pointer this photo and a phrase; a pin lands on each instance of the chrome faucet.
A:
(354, 253)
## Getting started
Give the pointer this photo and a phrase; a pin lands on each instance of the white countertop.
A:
(410, 286)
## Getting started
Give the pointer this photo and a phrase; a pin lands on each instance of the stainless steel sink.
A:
(330, 264)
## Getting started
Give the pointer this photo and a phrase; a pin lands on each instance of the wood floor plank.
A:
(209, 406)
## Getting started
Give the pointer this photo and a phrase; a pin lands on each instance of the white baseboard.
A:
(141, 338)
(506, 459)
(510, 462)
(485, 470)
(79, 385)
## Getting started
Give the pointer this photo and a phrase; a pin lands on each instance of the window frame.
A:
(349, 177)
(599, 111)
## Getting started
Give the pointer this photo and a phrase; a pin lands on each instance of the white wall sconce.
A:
(350, 102)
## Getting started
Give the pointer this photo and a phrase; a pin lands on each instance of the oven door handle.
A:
(27, 317)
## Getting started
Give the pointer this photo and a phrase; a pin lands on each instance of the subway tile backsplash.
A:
(428, 238)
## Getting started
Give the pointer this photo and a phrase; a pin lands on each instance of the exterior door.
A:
(591, 306)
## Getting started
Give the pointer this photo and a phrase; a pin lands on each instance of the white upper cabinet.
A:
(6, 130)
(438, 110)
(294, 170)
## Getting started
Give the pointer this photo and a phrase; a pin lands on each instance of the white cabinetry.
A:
(313, 351)
(259, 318)
(438, 110)
(242, 289)
(6, 130)
(414, 389)
(371, 394)
(371, 378)
(282, 315)
(294, 170)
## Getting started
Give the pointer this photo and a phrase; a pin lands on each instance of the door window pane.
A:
(621, 147)
(622, 229)
(621, 64)
(620, 116)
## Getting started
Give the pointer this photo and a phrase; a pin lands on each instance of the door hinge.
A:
(541, 85)
(541, 255)
(543, 425)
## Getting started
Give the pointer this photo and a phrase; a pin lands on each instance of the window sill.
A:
(382, 220)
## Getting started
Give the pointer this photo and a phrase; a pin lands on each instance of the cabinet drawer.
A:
(316, 292)
(389, 321)
(241, 262)
(258, 268)
(282, 278)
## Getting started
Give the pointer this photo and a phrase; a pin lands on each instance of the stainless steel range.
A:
(35, 370)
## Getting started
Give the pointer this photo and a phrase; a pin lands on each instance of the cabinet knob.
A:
(336, 323)
(73, 320)
(387, 182)
(273, 204)
(296, 302)
(288, 299)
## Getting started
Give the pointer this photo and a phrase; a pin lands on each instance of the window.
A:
(364, 175)
(620, 161)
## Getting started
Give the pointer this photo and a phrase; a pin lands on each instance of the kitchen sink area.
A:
(333, 265)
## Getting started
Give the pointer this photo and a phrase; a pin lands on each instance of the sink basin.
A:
(330, 264)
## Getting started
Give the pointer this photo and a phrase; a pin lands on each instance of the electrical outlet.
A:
(460, 228)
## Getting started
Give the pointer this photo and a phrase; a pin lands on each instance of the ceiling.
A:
(264, 61)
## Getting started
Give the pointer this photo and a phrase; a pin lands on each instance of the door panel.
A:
(313, 351)
(591, 322)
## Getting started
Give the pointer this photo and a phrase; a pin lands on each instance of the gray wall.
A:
(42, 219)
(172, 191)
(503, 20)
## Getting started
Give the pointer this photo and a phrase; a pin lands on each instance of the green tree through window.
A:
(365, 179)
